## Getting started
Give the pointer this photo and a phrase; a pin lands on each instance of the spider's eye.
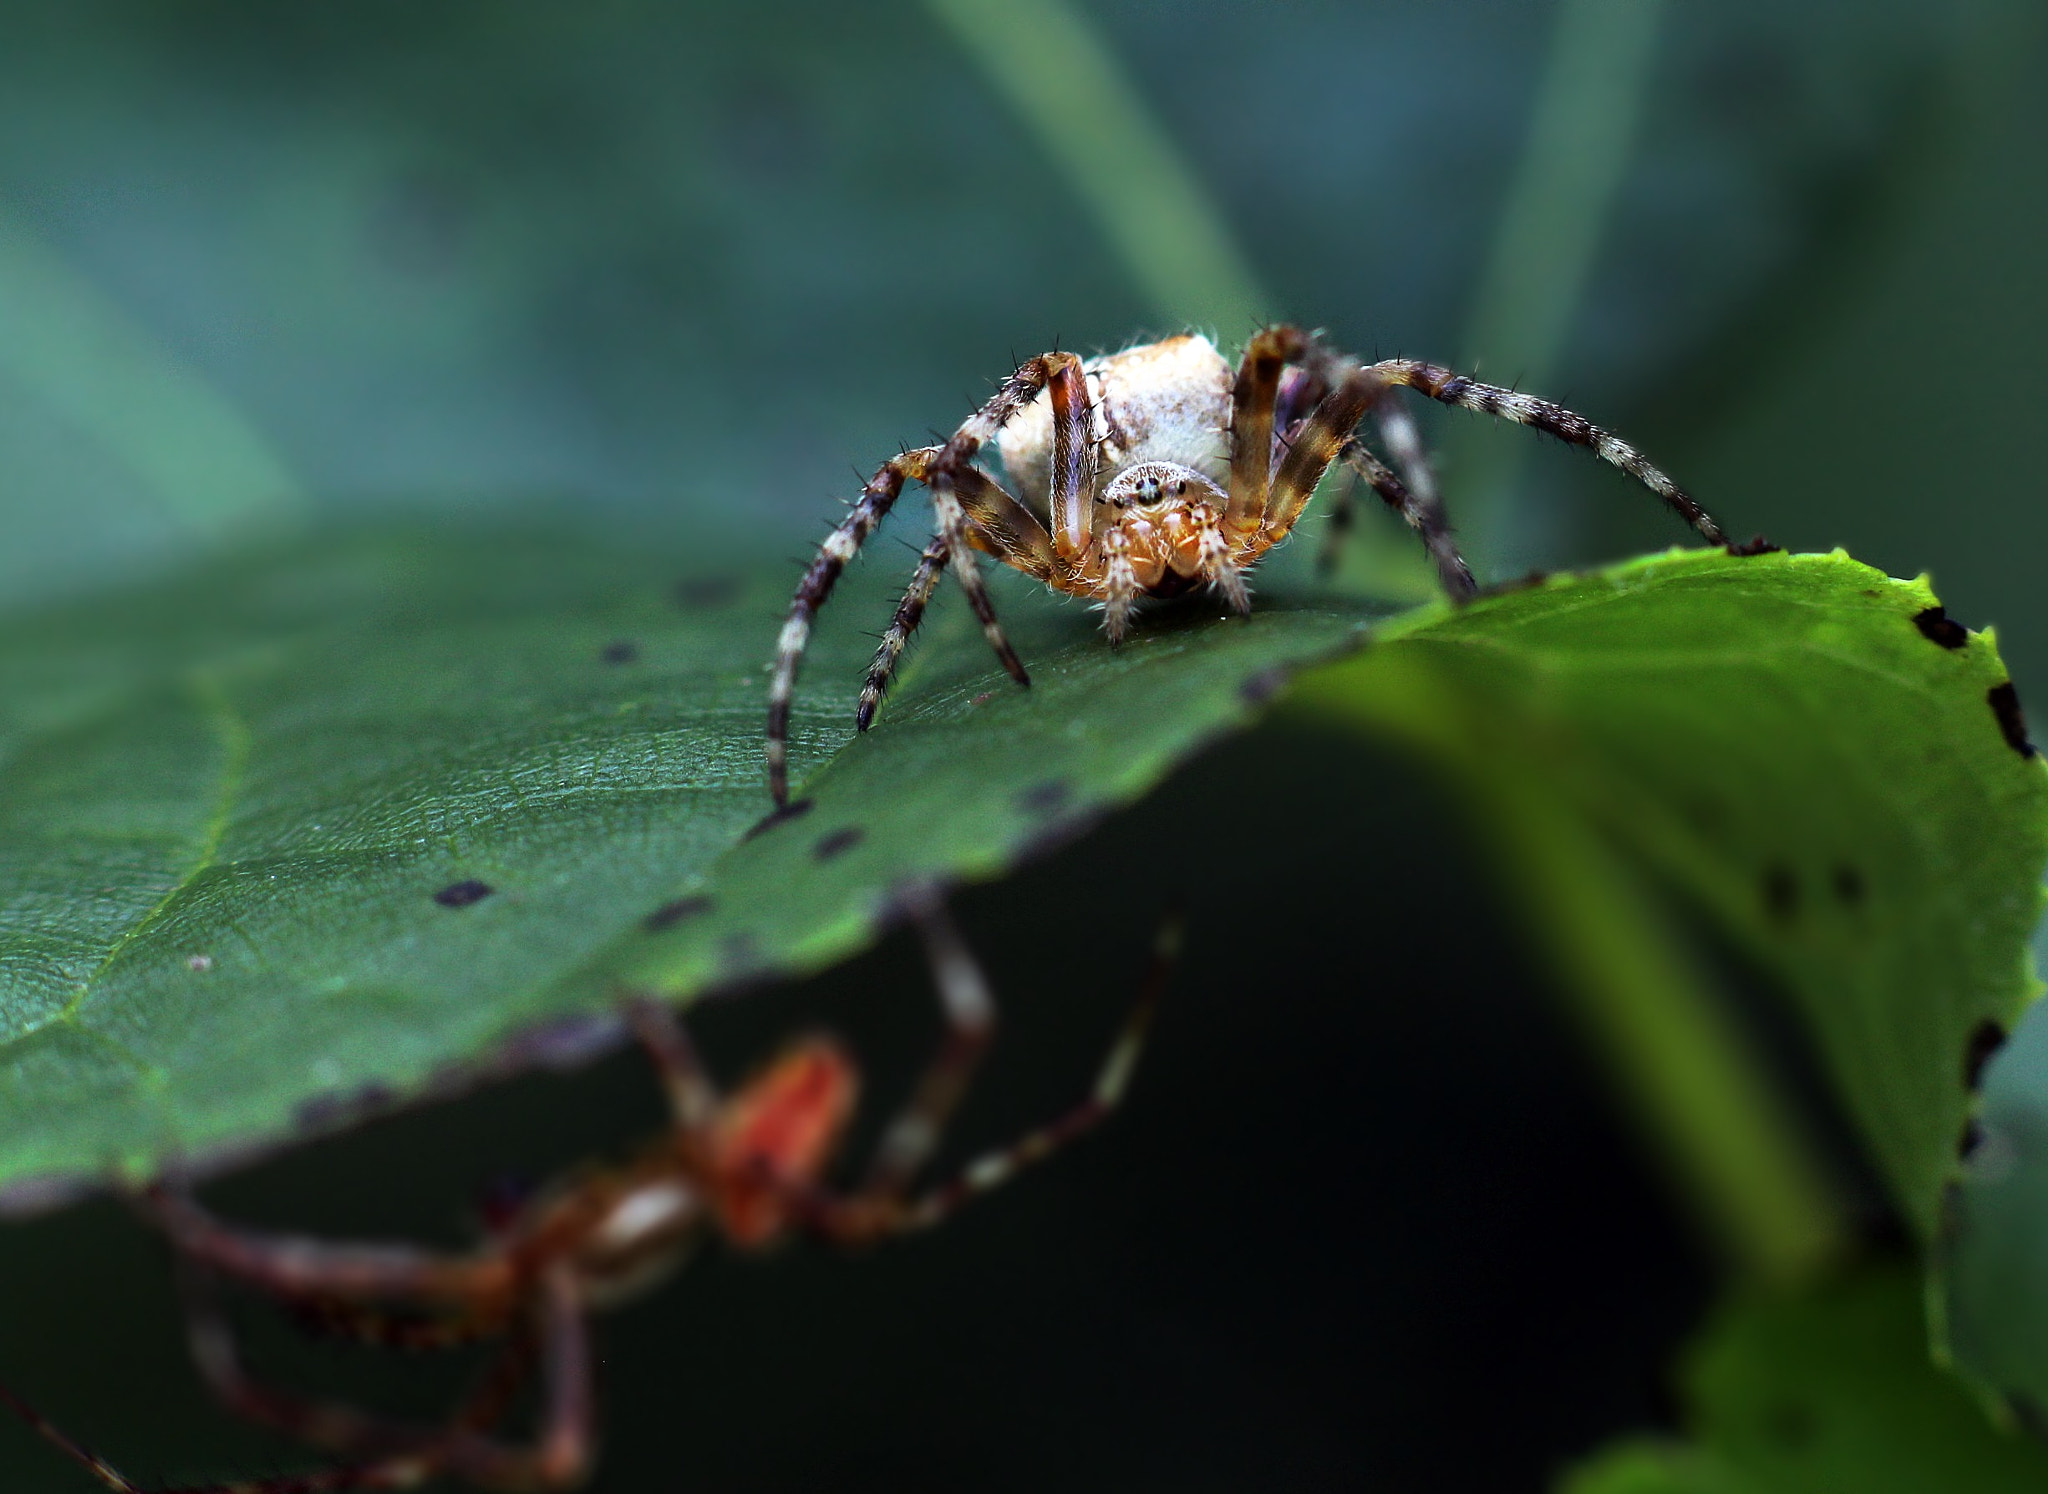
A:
(1180, 486)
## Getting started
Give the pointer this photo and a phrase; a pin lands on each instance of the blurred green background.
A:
(1371, 1221)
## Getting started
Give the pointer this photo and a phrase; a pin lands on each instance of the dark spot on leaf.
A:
(2005, 705)
(1789, 1423)
(780, 816)
(1986, 1038)
(1973, 1137)
(1756, 544)
(1049, 797)
(1849, 884)
(462, 894)
(707, 591)
(668, 915)
(1938, 627)
(623, 651)
(1262, 686)
(838, 843)
(1781, 892)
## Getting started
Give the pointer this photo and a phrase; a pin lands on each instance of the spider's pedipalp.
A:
(1447, 387)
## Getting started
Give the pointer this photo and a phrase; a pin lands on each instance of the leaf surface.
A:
(1808, 753)
(327, 825)
(1829, 1391)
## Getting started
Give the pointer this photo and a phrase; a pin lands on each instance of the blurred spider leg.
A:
(560, 1455)
(693, 1097)
(1450, 388)
(1343, 510)
(969, 1008)
(85, 1457)
(1403, 440)
(992, 1169)
(1252, 399)
(1424, 515)
(387, 1454)
(294, 1266)
(839, 547)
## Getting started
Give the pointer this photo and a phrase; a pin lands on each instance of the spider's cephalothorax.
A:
(749, 1166)
(1157, 469)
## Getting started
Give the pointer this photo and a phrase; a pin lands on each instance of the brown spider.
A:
(749, 1166)
(1148, 472)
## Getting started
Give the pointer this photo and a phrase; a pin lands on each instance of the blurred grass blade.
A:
(1825, 770)
(1553, 222)
(1692, 1080)
(63, 340)
(1829, 1390)
(1064, 81)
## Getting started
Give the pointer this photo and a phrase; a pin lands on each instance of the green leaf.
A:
(1830, 1391)
(229, 803)
(1809, 754)
(1992, 1267)
(304, 831)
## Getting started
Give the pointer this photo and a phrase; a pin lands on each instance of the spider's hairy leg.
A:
(839, 547)
(1315, 446)
(998, 525)
(1402, 438)
(1337, 526)
(1424, 515)
(909, 613)
(947, 475)
(1252, 399)
(1071, 484)
(1447, 387)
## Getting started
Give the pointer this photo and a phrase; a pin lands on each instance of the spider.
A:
(749, 1165)
(1149, 472)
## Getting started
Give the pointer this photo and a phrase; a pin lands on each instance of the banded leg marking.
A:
(1252, 399)
(1425, 517)
(840, 546)
(1449, 388)
(909, 613)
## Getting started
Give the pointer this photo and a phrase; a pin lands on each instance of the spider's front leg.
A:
(956, 486)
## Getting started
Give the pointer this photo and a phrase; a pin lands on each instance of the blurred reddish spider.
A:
(750, 1166)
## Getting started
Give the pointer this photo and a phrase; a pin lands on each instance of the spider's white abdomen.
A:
(1160, 402)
